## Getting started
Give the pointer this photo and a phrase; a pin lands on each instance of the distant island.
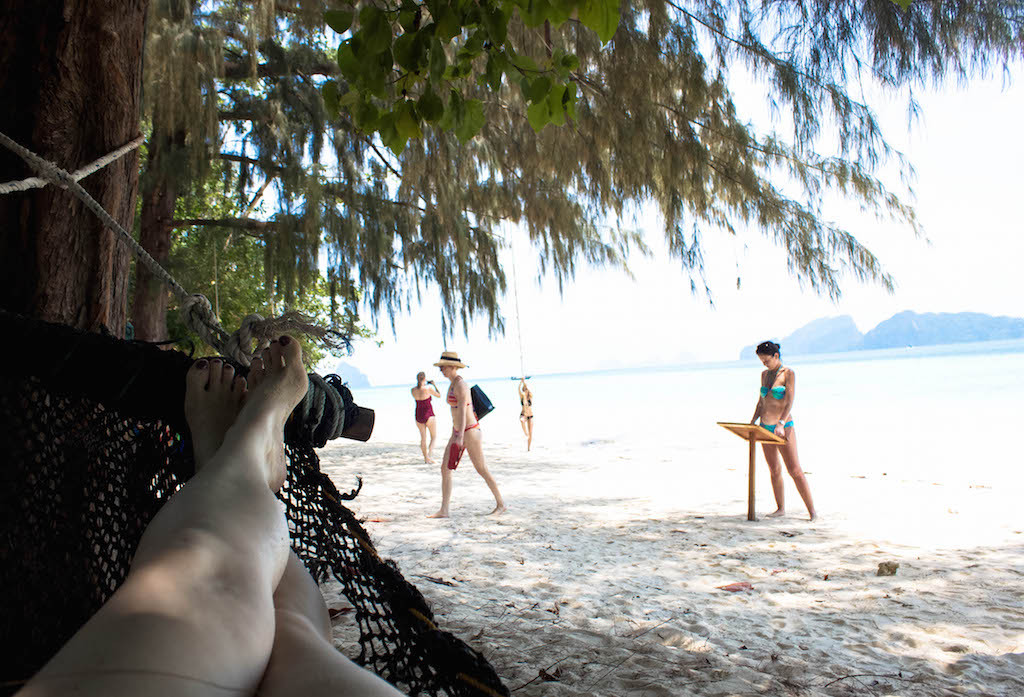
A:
(351, 375)
(837, 334)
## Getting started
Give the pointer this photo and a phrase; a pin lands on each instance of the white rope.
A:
(195, 309)
(515, 294)
(78, 174)
(64, 180)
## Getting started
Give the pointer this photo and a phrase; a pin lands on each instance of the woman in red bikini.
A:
(424, 390)
(465, 436)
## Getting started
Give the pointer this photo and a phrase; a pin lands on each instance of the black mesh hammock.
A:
(93, 440)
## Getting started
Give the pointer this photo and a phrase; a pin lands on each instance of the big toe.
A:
(291, 349)
(284, 352)
(198, 377)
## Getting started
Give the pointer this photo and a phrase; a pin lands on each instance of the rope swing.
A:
(515, 295)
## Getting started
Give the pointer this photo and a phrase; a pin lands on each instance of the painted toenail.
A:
(285, 340)
(201, 364)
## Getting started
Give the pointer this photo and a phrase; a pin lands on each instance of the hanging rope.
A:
(195, 309)
(515, 294)
(255, 332)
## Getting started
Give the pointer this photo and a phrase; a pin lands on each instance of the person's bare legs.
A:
(474, 448)
(792, 459)
(423, 442)
(446, 486)
(195, 615)
(771, 456)
(529, 437)
(432, 427)
(303, 660)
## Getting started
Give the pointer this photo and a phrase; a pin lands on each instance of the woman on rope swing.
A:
(465, 436)
(526, 412)
(215, 603)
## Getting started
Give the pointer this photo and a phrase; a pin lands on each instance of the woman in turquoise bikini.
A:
(774, 407)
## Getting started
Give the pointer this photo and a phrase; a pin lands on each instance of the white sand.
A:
(603, 574)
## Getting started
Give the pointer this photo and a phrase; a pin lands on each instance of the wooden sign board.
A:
(753, 434)
(744, 431)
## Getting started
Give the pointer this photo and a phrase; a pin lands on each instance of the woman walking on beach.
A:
(424, 390)
(526, 413)
(466, 436)
(774, 408)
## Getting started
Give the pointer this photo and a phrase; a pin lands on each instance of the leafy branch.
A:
(438, 46)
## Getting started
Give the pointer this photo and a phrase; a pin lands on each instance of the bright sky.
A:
(969, 158)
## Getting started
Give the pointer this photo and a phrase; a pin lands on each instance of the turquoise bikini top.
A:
(777, 392)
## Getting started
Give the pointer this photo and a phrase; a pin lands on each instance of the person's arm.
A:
(522, 389)
(787, 404)
(461, 390)
(433, 390)
(760, 402)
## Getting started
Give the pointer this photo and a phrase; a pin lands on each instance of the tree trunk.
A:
(159, 196)
(70, 84)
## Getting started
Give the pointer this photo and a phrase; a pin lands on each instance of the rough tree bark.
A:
(159, 195)
(70, 84)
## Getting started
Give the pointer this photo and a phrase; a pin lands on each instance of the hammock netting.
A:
(95, 442)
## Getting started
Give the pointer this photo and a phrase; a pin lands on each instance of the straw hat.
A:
(450, 358)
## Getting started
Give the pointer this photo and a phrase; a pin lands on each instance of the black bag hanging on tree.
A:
(481, 403)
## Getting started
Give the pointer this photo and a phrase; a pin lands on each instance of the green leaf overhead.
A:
(445, 45)
(339, 20)
(600, 15)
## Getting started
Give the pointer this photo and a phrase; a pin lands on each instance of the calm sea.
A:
(948, 413)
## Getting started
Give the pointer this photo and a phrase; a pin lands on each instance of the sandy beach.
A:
(604, 576)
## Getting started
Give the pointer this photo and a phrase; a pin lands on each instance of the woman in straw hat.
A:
(465, 436)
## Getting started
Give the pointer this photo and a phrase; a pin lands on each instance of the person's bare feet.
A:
(499, 509)
(213, 398)
(777, 514)
(439, 514)
(277, 382)
(813, 516)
